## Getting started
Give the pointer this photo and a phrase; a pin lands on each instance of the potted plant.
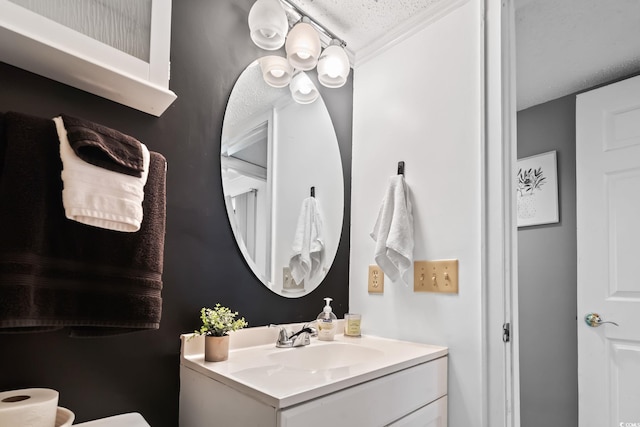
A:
(217, 322)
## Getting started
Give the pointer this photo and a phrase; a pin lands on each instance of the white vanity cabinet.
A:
(395, 391)
(116, 49)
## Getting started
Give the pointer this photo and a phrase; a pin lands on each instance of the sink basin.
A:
(284, 377)
(324, 357)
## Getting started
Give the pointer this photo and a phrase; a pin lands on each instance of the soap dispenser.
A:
(327, 322)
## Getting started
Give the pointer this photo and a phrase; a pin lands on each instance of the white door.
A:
(608, 220)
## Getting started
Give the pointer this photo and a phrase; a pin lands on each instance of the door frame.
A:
(501, 368)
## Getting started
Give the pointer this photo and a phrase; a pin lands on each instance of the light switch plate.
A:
(436, 276)
(376, 280)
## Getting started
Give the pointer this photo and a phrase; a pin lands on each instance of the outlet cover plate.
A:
(376, 280)
(436, 276)
(288, 284)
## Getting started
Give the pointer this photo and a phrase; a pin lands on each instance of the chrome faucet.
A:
(298, 339)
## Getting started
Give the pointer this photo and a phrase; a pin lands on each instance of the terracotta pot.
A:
(216, 349)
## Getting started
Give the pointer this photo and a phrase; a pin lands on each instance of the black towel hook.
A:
(313, 191)
(401, 168)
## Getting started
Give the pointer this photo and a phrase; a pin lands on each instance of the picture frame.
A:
(537, 190)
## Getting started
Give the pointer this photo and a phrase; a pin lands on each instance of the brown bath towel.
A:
(104, 147)
(57, 273)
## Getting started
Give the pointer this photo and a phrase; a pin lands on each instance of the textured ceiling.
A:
(565, 46)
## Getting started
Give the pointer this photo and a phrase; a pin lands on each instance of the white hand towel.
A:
(393, 232)
(308, 243)
(100, 197)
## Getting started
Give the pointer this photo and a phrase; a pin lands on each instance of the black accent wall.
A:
(139, 372)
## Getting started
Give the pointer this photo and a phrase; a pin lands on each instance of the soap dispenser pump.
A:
(327, 322)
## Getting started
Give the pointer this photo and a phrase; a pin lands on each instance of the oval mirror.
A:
(274, 151)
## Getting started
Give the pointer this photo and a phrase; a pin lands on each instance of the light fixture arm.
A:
(305, 17)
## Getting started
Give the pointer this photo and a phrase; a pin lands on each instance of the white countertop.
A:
(258, 370)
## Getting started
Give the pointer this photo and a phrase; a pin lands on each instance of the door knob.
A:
(594, 320)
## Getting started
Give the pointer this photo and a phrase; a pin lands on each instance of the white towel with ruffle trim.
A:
(308, 243)
(99, 197)
(393, 231)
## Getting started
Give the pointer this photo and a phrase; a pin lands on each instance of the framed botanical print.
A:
(537, 190)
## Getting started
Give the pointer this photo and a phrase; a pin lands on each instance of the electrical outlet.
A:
(376, 280)
(436, 276)
(288, 284)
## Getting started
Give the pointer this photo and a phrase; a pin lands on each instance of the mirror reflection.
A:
(273, 151)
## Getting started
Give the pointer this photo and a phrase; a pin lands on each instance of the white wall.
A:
(421, 102)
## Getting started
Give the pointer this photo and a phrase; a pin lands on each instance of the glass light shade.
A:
(333, 67)
(303, 46)
(276, 70)
(302, 89)
(268, 24)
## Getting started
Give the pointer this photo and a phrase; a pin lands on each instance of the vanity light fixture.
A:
(268, 24)
(302, 88)
(276, 70)
(333, 65)
(303, 47)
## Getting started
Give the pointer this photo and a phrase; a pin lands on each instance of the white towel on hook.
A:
(308, 243)
(393, 232)
(97, 196)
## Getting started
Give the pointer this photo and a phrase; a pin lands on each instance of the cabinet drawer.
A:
(432, 415)
(375, 403)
